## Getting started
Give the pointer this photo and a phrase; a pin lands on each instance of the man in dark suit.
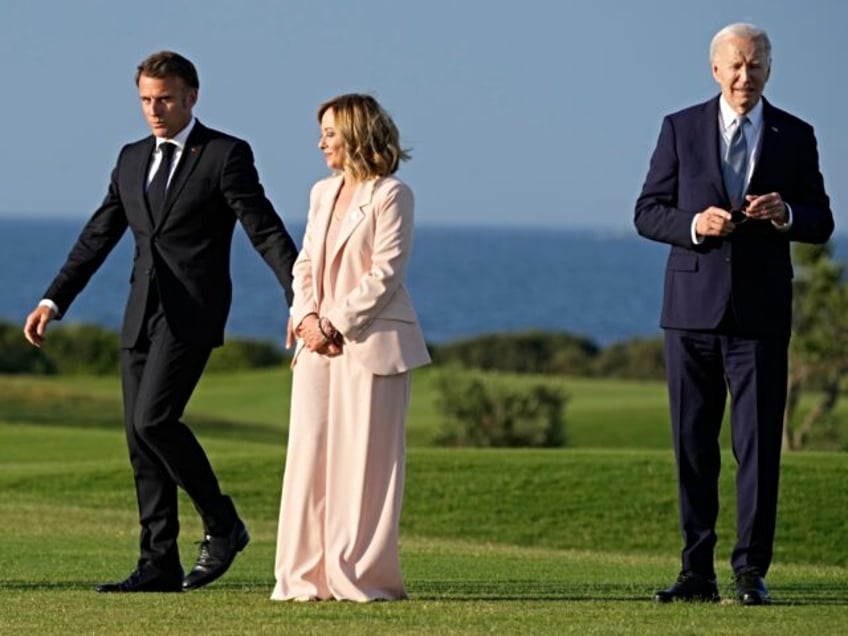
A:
(180, 192)
(732, 181)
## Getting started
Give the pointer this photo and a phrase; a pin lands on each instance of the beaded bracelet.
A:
(327, 337)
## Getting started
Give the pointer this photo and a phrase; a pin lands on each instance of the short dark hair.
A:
(168, 64)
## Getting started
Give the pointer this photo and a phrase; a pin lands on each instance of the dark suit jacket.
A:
(187, 252)
(751, 267)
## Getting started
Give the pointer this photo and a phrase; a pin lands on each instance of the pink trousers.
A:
(343, 484)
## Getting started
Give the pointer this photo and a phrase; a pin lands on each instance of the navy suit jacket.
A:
(750, 268)
(185, 252)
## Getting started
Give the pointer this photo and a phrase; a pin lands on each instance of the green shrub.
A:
(19, 356)
(237, 355)
(490, 411)
(93, 350)
(84, 349)
(636, 359)
(523, 352)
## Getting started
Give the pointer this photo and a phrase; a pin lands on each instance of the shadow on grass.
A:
(524, 590)
(810, 594)
(518, 590)
(47, 586)
(45, 407)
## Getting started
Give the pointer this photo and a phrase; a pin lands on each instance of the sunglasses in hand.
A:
(739, 215)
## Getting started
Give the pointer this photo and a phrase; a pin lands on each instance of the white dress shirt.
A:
(753, 135)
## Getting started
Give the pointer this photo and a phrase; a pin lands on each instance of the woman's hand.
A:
(316, 340)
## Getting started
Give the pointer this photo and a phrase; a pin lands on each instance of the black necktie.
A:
(159, 185)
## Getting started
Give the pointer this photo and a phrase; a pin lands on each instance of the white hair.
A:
(742, 30)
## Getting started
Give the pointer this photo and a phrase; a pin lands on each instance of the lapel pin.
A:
(774, 128)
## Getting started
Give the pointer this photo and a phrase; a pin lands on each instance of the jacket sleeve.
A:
(305, 301)
(100, 234)
(246, 197)
(657, 215)
(812, 219)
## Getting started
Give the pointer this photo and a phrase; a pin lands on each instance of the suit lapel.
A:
(712, 147)
(139, 167)
(194, 146)
(769, 140)
(322, 223)
(355, 213)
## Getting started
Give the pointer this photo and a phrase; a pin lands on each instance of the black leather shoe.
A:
(147, 578)
(689, 586)
(216, 556)
(751, 587)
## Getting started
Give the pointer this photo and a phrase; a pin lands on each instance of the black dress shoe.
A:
(751, 587)
(689, 586)
(147, 578)
(216, 556)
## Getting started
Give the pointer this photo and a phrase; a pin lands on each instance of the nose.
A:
(156, 109)
(743, 73)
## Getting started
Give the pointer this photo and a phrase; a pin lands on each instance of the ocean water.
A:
(463, 281)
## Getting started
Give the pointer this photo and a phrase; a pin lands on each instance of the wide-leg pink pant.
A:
(343, 483)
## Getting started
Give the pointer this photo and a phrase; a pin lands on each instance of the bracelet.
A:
(327, 336)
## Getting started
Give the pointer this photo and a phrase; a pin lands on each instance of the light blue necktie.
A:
(736, 163)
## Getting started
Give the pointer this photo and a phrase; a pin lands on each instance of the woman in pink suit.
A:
(358, 337)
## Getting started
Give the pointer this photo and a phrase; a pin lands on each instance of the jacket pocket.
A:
(683, 262)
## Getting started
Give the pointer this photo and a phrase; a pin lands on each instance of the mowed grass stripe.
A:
(586, 499)
(454, 587)
(496, 541)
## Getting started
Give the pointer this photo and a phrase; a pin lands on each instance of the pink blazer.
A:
(373, 309)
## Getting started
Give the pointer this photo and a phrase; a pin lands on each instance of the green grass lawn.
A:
(493, 541)
(599, 413)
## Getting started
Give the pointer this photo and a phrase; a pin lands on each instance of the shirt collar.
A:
(728, 115)
(180, 139)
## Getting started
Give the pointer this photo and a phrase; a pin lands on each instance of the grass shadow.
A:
(524, 590)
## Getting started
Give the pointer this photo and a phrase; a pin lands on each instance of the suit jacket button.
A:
(149, 271)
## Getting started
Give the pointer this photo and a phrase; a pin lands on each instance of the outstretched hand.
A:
(36, 324)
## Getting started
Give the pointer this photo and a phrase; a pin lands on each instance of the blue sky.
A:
(539, 113)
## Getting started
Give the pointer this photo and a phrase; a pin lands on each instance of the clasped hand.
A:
(715, 221)
(309, 330)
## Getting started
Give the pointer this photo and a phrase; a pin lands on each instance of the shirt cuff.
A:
(785, 227)
(46, 302)
(696, 239)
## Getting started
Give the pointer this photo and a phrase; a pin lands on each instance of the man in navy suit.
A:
(731, 182)
(180, 191)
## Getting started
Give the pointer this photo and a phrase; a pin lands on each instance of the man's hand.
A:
(289, 334)
(36, 324)
(767, 207)
(714, 222)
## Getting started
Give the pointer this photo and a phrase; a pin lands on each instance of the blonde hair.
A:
(372, 141)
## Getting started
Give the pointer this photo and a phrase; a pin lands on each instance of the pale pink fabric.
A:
(368, 263)
(343, 483)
